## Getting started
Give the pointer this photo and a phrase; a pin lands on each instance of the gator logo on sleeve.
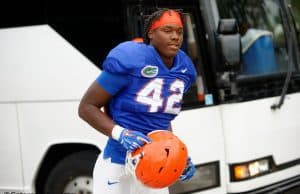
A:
(149, 71)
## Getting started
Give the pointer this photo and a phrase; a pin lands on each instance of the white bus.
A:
(240, 120)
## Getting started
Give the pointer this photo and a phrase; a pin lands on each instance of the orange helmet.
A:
(160, 163)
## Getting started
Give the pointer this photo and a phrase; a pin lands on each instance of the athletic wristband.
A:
(116, 132)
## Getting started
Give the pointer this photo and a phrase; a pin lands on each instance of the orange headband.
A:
(168, 17)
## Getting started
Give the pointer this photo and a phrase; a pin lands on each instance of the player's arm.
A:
(90, 109)
(96, 98)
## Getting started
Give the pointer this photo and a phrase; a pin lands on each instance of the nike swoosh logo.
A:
(184, 70)
(113, 182)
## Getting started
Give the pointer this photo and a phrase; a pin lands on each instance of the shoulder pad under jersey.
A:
(124, 57)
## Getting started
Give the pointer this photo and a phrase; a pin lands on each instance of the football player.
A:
(142, 84)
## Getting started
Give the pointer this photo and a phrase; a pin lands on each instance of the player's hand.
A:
(189, 170)
(131, 140)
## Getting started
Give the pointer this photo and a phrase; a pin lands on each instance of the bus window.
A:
(295, 11)
(263, 42)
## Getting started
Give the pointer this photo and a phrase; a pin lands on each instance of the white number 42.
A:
(151, 95)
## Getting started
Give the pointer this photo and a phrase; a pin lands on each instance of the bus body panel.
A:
(43, 125)
(253, 130)
(11, 159)
(37, 64)
(42, 79)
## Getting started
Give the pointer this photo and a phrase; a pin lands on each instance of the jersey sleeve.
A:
(112, 83)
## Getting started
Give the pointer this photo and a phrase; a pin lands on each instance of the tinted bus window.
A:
(263, 38)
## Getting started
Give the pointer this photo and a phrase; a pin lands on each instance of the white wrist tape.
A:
(116, 132)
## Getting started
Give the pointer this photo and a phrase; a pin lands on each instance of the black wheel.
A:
(73, 174)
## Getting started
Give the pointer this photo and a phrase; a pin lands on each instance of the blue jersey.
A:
(150, 94)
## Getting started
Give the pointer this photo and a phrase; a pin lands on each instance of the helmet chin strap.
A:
(132, 162)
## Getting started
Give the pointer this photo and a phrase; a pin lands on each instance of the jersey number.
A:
(151, 95)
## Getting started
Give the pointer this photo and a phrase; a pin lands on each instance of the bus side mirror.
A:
(229, 41)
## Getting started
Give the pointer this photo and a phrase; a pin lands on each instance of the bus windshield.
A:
(264, 44)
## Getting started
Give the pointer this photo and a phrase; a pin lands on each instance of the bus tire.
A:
(73, 174)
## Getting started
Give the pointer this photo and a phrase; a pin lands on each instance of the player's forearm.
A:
(96, 118)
